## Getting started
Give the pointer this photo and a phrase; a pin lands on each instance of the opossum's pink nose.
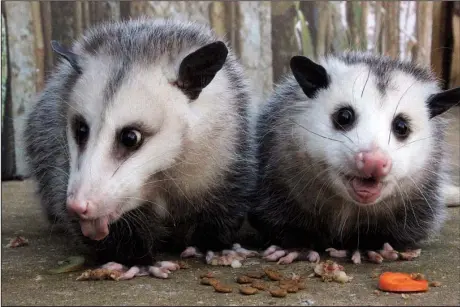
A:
(79, 207)
(373, 163)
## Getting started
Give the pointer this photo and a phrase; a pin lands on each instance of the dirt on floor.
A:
(25, 280)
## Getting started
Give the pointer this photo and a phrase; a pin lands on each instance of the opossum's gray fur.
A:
(136, 238)
(288, 217)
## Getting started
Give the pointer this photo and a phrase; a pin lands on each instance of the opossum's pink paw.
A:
(274, 253)
(410, 254)
(388, 253)
(299, 255)
(244, 252)
(341, 253)
(191, 251)
(356, 257)
(114, 266)
(162, 269)
(374, 257)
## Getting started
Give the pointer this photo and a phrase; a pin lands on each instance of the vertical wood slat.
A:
(45, 12)
(455, 66)
(39, 46)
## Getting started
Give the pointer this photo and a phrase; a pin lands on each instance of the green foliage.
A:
(307, 46)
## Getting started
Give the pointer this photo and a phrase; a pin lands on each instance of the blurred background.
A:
(264, 35)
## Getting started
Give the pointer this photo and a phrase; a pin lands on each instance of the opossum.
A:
(141, 142)
(352, 159)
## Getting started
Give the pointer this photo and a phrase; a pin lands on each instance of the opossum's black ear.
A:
(443, 101)
(71, 57)
(199, 68)
(310, 76)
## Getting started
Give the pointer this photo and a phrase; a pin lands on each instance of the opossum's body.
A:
(189, 181)
(305, 200)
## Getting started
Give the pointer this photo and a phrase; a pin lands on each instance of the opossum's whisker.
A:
(418, 140)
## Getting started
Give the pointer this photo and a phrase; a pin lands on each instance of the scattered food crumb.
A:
(247, 290)
(417, 276)
(18, 242)
(236, 264)
(278, 292)
(435, 284)
(377, 292)
(38, 278)
(183, 265)
(331, 271)
(100, 274)
(404, 296)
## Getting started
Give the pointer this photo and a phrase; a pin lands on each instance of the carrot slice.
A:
(401, 282)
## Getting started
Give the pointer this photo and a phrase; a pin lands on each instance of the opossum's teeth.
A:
(337, 253)
(191, 251)
(388, 252)
(374, 257)
(356, 257)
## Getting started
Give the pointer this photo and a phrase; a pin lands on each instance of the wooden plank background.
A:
(264, 35)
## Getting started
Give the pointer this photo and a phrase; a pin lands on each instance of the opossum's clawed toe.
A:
(388, 252)
(356, 257)
(162, 269)
(275, 253)
(374, 257)
(243, 251)
(191, 251)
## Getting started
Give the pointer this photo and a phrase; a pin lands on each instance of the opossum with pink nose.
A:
(352, 160)
(141, 143)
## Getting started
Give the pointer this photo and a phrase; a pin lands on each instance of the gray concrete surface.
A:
(26, 282)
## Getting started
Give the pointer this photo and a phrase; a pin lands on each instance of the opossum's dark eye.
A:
(130, 138)
(400, 127)
(81, 131)
(344, 118)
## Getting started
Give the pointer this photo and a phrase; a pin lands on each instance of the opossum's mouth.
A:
(98, 228)
(363, 190)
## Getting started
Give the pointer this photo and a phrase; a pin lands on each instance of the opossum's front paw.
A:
(386, 253)
(275, 253)
(161, 269)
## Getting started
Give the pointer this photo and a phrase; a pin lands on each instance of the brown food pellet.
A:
(292, 289)
(260, 285)
(243, 279)
(183, 265)
(209, 281)
(278, 292)
(208, 275)
(273, 274)
(255, 275)
(435, 284)
(218, 287)
(248, 290)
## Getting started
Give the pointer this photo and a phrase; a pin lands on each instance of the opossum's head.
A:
(370, 122)
(128, 122)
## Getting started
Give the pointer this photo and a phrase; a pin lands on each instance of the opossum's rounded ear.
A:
(310, 76)
(198, 68)
(443, 101)
(71, 57)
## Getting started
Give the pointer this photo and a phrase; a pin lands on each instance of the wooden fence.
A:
(264, 34)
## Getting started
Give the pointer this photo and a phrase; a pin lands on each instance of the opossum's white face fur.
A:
(121, 135)
(370, 127)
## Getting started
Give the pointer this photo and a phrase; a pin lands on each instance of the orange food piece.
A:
(401, 282)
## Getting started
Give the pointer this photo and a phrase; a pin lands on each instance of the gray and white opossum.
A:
(141, 141)
(352, 159)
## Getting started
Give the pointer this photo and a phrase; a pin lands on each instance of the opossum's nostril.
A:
(78, 207)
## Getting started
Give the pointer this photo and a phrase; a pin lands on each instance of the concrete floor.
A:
(25, 280)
